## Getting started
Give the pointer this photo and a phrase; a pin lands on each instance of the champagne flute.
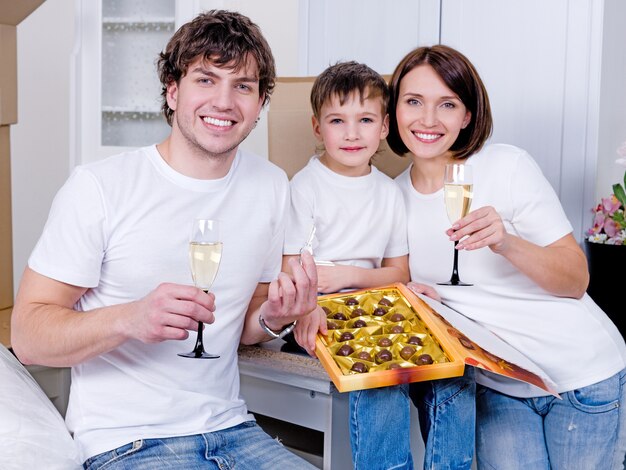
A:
(205, 253)
(457, 193)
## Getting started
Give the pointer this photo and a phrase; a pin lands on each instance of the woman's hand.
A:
(424, 289)
(482, 227)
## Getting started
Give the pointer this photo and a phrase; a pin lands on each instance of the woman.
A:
(528, 273)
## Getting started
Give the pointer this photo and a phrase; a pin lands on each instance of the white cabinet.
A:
(118, 94)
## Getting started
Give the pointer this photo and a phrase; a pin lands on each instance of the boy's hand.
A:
(307, 328)
(424, 289)
(331, 279)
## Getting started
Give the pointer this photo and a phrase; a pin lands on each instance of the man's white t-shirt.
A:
(572, 340)
(358, 220)
(121, 227)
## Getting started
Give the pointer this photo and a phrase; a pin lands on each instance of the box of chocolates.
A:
(384, 336)
(388, 336)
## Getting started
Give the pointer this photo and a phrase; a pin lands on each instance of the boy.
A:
(359, 220)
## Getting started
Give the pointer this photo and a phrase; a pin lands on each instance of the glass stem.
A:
(198, 349)
(455, 267)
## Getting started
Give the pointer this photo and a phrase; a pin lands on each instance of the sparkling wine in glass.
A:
(205, 253)
(457, 193)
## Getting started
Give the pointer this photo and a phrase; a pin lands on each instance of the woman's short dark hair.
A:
(222, 37)
(344, 78)
(461, 77)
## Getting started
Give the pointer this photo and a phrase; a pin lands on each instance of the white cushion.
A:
(32, 432)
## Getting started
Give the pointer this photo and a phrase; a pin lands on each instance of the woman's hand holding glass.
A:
(480, 228)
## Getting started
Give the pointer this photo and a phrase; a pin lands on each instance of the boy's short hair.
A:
(343, 79)
(224, 38)
(458, 73)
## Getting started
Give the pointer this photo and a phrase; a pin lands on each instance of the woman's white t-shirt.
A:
(572, 340)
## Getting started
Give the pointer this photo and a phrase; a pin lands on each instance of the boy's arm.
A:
(335, 278)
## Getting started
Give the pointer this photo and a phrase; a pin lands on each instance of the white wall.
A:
(612, 132)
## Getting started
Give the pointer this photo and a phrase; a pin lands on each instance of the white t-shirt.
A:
(572, 340)
(120, 226)
(358, 220)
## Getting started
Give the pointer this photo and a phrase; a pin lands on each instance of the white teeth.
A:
(217, 122)
(427, 136)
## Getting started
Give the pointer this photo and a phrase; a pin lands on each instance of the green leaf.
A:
(620, 194)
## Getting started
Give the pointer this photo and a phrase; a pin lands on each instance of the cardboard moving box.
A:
(11, 14)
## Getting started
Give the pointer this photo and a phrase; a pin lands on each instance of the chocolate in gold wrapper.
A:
(382, 338)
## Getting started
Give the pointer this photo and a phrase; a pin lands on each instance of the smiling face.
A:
(351, 132)
(430, 116)
(215, 108)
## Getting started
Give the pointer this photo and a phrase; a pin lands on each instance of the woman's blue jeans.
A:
(585, 430)
(380, 424)
(242, 447)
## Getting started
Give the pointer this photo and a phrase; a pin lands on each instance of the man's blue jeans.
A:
(242, 447)
(380, 424)
(585, 430)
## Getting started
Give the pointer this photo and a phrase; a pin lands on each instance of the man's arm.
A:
(283, 301)
(46, 330)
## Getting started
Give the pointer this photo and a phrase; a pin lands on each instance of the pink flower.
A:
(610, 205)
(611, 228)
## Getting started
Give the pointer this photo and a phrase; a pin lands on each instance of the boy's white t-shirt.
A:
(572, 340)
(358, 220)
(120, 227)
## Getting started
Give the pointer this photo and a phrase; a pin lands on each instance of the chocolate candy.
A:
(357, 312)
(345, 350)
(379, 311)
(331, 325)
(383, 355)
(406, 352)
(385, 302)
(384, 342)
(396, 317)
(359, 323)
(394, 365)
(415, 340)
(359, 367)
(346, 336)
(364, 355)
(396, 329)
(423, 359)
(466, 342)
(339, 316)
(351, 301)
(326, 310)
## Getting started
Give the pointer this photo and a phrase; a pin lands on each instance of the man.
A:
(108, 288)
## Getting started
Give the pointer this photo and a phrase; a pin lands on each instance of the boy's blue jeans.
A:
(585, 430)
(242, 447)
(380, 424)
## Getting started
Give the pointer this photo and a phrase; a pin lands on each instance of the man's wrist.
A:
(278, 332)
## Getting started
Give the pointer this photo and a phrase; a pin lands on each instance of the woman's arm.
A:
(560, 267)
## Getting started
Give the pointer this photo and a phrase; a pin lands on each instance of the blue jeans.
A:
(447, 416)
(585, 430)
(244, 447)
(380, 429)
(380, 417)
